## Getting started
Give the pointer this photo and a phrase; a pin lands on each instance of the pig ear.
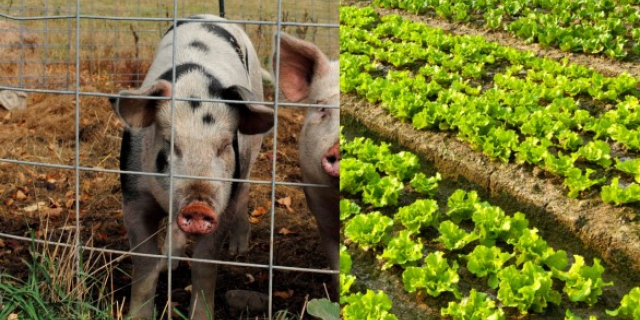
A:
(300, 63)
(255, 118)
(134, 106)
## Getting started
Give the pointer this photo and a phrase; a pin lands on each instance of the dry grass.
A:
(121, 49)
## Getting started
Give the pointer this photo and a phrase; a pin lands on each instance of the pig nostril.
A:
(331, 159)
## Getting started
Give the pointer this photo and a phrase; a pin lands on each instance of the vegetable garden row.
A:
(606, 27)
(568, 119)
(458, 252)
(429, 242)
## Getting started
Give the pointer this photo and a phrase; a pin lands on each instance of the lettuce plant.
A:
(402, 250)
(425, 185)
(620, 195)
(528, 288)
(530, 247)
(355, 175)
(368, 230)
(475, 306)
(461, 205)
(368, 306)
(383, 192)
(583, 283)
(629, 306)
(418, 215)
(630, 166)
(453, 237)
(346, 279)
(435, 276)
(487, 261)
(347, 209)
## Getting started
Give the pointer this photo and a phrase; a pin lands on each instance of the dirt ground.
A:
(40, 201)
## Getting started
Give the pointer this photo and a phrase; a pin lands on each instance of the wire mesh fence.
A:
(59, 164)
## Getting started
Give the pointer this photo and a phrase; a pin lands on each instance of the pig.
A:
(307, 75)
(215, 140)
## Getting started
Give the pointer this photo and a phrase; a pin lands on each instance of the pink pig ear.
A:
(300, 63)
(136, 107)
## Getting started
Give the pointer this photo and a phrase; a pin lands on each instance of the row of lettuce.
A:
(567, 119)
(608, 27)
(428, 241)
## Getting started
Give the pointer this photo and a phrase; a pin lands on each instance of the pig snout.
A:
(197, 218)
(331, 161)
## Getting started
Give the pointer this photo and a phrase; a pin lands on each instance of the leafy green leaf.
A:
(402, 251)
(348, 208)
(582, 283)
(435, 277)
(453, 237)
(476, 306)
(368, 306)
(528, 288)
(324, 309)
(420, 214)
(383, 192)
(368, 230)
(487, 261)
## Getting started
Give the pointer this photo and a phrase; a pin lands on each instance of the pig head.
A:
(209, 142)
(307, 75)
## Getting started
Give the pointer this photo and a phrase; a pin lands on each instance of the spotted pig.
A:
(214, 140)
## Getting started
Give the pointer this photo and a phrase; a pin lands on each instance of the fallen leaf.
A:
(254, 220)
(20, 195)
(13, 316)
(9, 202)
(259, 211)
(35, 206)
(54, 203)
(54, 212)
(286, 202)
(284, 294)
(285, 231)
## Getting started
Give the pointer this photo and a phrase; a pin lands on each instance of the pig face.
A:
(205, 142)
(306, 74)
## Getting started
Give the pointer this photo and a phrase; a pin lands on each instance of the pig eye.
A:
(226, 146)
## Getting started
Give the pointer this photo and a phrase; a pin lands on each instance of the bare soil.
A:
(44, 133)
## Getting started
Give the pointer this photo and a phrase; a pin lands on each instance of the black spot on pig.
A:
(246, 60)
(179, 23)
(208, 119)
(227, 36)
(194, 104)
(161, 161)
(199, 45)
(182, 69)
